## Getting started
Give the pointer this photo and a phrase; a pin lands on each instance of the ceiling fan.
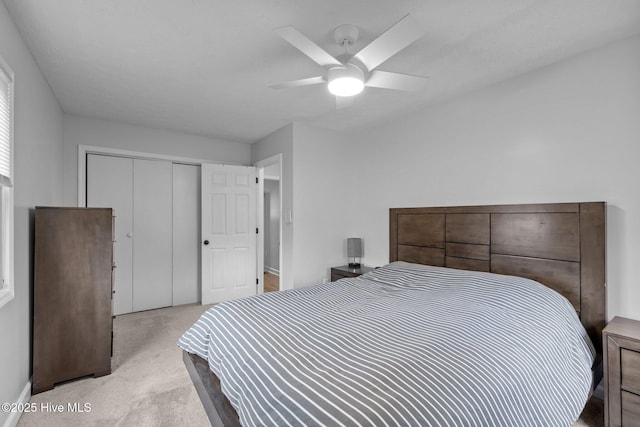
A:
(346, 75)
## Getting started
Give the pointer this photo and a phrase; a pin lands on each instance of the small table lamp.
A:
(354, 250)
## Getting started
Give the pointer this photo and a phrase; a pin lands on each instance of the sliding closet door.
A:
(157, 248)
(109, 186)
(186, 234)
(152, 249)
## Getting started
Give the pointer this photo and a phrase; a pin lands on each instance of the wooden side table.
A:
(343, 271)
(621, 354)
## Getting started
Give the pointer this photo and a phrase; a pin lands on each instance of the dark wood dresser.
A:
(622, 373)
(343, 271)
(72, 296)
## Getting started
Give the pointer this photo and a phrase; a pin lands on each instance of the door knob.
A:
(206, 242)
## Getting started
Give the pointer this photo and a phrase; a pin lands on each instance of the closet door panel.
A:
(152, 248)
(109, 185)
(186, 234)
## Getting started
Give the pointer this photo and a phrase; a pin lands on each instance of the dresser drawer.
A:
(630, 409)
(630, 369)
(621, 339)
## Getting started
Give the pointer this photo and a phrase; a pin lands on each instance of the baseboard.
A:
(271, 270)
(14, 417)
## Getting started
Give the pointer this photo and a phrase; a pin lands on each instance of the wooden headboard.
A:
(560, 245)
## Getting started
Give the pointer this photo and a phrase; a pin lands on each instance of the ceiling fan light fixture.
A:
(345, 81)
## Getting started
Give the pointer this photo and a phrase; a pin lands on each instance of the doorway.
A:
(270, 216)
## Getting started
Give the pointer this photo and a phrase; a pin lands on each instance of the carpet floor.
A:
(149, 385)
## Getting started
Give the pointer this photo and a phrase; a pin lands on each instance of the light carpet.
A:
(149, 385)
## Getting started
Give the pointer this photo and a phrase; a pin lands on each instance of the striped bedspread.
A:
(405, 345)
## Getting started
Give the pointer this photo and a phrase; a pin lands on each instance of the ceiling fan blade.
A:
(400, 35)
(344, 102)
(306, 46)
(397, 81)
(297, 83)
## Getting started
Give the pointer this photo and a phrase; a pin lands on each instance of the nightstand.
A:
(621, 354)
(346, 271)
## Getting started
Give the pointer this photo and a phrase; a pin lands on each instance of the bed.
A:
(446, 261)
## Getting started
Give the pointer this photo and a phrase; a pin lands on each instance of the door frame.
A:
(261, 165)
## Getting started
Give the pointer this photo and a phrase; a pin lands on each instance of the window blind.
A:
(6, 87)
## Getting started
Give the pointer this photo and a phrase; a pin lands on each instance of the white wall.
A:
(324, 194)
(38, 181)
(315, 188)
(565, 133)
(103, 133)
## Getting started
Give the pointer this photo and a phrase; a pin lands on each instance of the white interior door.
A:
(186, 234)
(228, 232)
(152, 249)
(109, 185)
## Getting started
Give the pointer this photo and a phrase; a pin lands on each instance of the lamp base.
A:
(354, 265)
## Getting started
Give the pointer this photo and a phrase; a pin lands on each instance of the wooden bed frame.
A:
(561, 245)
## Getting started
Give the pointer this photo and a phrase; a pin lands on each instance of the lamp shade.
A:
(345, 81)
(354, 247)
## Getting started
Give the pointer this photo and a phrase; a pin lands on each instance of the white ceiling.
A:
(203, 66)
